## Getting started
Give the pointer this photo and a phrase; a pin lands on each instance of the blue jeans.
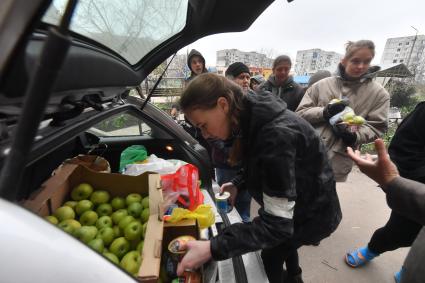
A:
(243, 199)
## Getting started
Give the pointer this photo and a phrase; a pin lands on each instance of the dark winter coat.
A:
(286, 170)
(290, 92)
(407, 148)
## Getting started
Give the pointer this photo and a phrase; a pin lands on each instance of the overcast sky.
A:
(325, 24)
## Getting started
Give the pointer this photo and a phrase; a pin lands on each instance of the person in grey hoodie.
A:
(281, 84)
(404, 196)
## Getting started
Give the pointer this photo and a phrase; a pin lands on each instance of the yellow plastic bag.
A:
(203, 214)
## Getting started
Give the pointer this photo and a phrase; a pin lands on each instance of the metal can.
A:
(175, 245)
(221, 202)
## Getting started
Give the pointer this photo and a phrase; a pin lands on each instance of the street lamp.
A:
(413, 45)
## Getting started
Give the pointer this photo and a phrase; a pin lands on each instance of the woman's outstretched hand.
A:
(382, 171)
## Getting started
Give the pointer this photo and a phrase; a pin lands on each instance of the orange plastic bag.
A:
(186, 182)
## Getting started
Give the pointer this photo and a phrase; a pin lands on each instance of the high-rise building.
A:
(408, 50)
(251, 59)
(310, 61)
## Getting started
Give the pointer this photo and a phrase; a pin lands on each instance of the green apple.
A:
(125, 221)
(145, 215)
(358, 120)
(104, 221)
(83, 206)
(106, 234)
(99, 197)
(117, 231)
(82, 191)
(69, 225)
(145, 202)
(144, 228)
(85, 233)
(51, 219)
(111, 257)
(71, 204)
(135, 209)
(133, 198)
(131, 262)
(64, 212)
(348, 116)
(140, 246)
(119, 247)
(88, 218)
(104, 209)
(97, 245)
(335, 100)
(133, 231)
(118, 203)
(118, 215)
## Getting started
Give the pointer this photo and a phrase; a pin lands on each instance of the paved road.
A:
(364, 210)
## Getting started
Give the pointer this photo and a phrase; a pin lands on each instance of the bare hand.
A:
(198, 252)
(382, 171)
(232, 189)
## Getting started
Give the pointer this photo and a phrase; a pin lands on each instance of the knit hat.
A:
(236, 69)
(258, 79)
(321, 74)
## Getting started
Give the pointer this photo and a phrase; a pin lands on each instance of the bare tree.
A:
(132, 27)
(269, 52)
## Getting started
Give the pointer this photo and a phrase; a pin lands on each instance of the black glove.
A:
(341, 130)
(334, 108)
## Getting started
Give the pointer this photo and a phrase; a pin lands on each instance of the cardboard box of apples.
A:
(116, 215)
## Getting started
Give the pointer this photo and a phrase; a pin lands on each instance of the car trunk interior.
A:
(110, 147)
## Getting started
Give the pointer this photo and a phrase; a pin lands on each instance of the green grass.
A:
(370, 147)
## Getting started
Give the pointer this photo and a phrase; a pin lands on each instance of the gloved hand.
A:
(334, 108)
(341, 130)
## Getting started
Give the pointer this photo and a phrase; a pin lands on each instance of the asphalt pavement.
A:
(364, 210)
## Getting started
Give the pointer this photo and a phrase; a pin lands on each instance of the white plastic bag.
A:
(337, 118)
(154, 164)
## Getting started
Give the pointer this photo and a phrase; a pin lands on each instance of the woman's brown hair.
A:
(352, 46)
(204, 91)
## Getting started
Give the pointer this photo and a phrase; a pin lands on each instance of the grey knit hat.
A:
(321, 74)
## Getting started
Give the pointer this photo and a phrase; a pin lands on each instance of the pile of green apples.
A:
(113, 227)
(352, 119)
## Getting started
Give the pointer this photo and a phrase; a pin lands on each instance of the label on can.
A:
(221, 202)
(175, 245)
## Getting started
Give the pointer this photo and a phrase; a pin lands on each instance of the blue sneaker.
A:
(359, 257)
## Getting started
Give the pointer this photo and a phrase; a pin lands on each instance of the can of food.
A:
(221, 202)
(175, 246)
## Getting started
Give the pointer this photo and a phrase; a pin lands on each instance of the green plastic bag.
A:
(132, 154)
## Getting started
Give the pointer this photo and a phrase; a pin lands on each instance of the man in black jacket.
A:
(405, 197)
(281, 84)
(407, 150)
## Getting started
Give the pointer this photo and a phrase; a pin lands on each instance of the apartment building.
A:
(310, 61)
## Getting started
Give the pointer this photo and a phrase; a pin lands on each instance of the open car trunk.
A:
(107, 134)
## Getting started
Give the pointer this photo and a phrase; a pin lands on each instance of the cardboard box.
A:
(185, 227)
(55, 191)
